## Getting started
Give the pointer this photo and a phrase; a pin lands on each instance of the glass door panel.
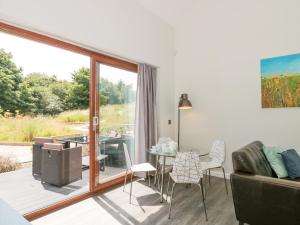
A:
(116, 106)
(44, 99)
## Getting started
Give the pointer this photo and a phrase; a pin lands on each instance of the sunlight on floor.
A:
(110, 208)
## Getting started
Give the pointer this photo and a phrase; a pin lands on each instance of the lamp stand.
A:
(178, 137)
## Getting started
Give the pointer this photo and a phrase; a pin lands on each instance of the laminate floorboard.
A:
(113, 208)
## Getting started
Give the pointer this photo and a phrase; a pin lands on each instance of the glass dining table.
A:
(165, 155)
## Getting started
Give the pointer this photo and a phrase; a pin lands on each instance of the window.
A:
(117, 96)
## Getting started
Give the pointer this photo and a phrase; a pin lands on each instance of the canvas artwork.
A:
(280, 81)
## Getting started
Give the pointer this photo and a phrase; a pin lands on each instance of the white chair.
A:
(187, 170)
(217, 158)
(142, 167)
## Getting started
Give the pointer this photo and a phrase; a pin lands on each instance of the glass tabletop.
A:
(161, 153)
(173, 154)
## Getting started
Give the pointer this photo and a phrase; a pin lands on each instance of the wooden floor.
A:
(113, 208)
(25, 193)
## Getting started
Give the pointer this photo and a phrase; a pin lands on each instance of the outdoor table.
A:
(83, 140)
(159, 154)
(100, 159)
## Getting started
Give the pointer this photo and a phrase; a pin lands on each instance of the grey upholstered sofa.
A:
(259, 197)
(60, 166)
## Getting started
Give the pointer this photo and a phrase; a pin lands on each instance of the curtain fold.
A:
(146, 115)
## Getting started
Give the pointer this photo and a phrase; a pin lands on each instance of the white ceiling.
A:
(169, 10)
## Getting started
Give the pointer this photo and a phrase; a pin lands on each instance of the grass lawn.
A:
(25, 129)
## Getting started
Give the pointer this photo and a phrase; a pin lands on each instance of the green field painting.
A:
(280, 81)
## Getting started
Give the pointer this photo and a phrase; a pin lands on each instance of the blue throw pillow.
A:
(275, 160)
(291, 160)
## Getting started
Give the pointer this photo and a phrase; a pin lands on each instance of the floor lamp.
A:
(184, 103)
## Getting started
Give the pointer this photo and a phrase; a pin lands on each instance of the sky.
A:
(280, 65)
(37, 57)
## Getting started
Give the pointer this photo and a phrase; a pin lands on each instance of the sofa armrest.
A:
(265, 200)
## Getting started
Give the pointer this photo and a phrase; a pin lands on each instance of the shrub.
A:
(29, 130)
(75, 116)
(6, 164)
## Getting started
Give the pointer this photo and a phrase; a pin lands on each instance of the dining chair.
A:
(217, 158)
(186, 170)
(135, 168)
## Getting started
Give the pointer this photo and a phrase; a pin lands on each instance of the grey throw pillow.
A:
(291, 160)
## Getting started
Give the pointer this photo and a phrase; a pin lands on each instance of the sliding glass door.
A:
(65, 114)
(114, 120)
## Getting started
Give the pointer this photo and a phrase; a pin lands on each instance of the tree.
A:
(61, 89)
(10, 78)
(26, 99)
(46, 94)
(53, 105)
(79, 90)
(119, 93)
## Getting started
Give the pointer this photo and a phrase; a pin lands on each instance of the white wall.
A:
(119, 27)
(219, 47)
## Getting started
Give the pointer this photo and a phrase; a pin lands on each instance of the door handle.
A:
(95, 122)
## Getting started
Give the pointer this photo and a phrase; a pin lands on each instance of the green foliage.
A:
(74, 116)
(39, 93)
(44, 94)
(54, 105)
(61, 89)
(10, 78)
(24, 129)
(79, 91)
(113, 94)
(26, 99)
(119, 118)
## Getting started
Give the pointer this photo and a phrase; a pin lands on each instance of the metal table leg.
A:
(156, 172)
(162, 180)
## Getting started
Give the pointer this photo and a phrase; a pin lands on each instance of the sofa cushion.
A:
(251, 159)
(275, 160)
(291, 160)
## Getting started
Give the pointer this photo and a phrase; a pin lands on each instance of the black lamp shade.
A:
(184, 102)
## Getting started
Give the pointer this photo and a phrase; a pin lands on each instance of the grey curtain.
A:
(146, 118)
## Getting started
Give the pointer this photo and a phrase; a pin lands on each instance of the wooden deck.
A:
(26, 193)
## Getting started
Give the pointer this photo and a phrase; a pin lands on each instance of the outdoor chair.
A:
(113, 148)
(37, 154)
(61, 166)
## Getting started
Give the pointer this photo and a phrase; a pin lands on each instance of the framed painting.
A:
(280, 81)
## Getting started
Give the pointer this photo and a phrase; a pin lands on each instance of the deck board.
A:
(25, 193)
